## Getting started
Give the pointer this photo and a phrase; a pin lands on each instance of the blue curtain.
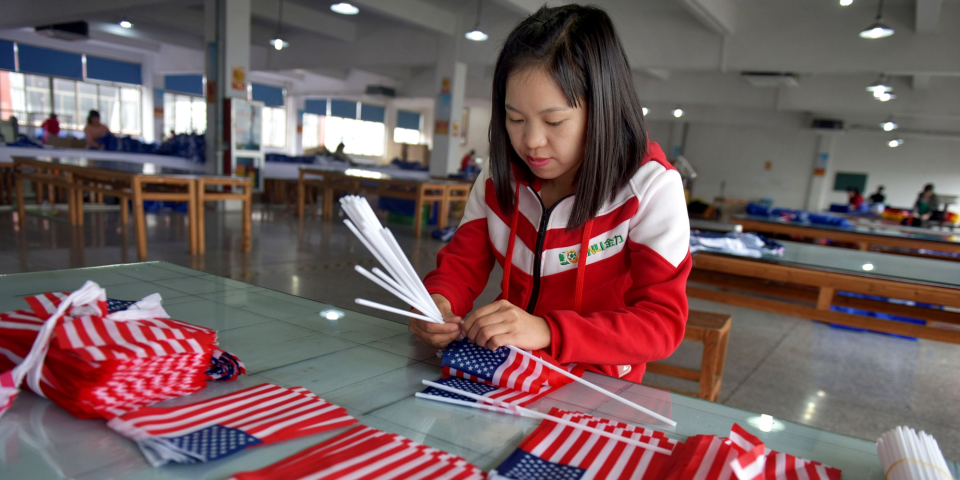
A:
(46, 61)
(343, 108)
(113, 70)
(408, 119)
(270, 96)
(316, 106)
(189, 84)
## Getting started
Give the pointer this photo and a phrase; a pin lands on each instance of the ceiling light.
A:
(877, 29)
(885, 97)
(645, 111)
(277, 41)
(126, 23)
(344, 8)
(476, 35)
(879, 86)
(678, 112)
(896, 142)
(889, 126)
(279, 44)
(846, 3)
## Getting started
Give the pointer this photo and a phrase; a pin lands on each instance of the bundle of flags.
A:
(221, 426)
(502, 374)
(99, 357)
(364, 453)
(556, 451)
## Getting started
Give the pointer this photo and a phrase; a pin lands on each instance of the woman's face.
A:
(545, 132)
(94, 120)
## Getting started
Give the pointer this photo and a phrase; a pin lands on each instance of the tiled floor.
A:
(860, 384)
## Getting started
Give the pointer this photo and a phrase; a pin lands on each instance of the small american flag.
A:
(224, 425)
(742, 456)
(555, 451)
(364, 453)
(503, 394)
(502, 367)
(224, 367)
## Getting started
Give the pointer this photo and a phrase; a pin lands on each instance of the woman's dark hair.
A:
(93, 114)
(928, 187)
(579, 48)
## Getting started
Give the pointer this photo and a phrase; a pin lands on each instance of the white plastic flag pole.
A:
(464, 403)
(396, 292)
(526, 412)
(592, 386)
(387, 308)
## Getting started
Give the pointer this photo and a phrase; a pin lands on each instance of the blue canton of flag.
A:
(461, 384)
(467, 357)
(521, 465)
(214, 442)
(114, 305)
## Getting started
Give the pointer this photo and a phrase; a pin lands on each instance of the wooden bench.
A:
(713, 331)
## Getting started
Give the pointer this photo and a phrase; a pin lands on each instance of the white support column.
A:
(447, 124)
(227, 69)
(819, 180)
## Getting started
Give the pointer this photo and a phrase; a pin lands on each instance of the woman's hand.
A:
(503, 323)
(434, 334)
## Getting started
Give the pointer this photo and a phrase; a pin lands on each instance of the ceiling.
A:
(683, 52)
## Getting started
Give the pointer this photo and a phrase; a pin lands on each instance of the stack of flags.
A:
(364, 453)
(99, 358)
(222, 426)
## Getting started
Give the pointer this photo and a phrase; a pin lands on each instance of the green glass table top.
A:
(370, 366)
(867, 229)
(873, 264)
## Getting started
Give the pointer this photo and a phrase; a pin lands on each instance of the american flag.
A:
(224, 425)
(224, 367)
(503, 367)
(742, 456)
(555, 451)
(503, 394)
(364, 453)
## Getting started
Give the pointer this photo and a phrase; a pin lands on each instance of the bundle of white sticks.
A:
(908, 455)
(402, 281)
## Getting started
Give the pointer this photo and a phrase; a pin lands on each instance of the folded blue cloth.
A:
(743, 244)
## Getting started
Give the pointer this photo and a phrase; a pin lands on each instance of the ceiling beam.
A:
(305, 18)
(32, 13)
(719, 16)
(928, 15)
(415, 12)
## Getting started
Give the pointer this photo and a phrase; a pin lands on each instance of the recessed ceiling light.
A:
(896, 142)
(477, 36)
(344, 8)
(678, 112)
(889, 126)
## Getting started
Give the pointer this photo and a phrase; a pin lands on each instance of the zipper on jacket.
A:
(538, 251)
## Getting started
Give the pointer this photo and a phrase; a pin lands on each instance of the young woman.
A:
(94, 130)
(587, 219)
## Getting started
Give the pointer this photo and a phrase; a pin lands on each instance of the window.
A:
(408, 128)
(34, 97)
(312, 136)
(274, 127)
(406, 135)
(358, 137)
(65, 102)
(184, 114)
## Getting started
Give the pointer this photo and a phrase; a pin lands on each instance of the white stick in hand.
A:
(592, 386)
(526, 412)
(387, 308)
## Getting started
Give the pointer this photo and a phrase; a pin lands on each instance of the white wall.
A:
(737, 154)
(478, 123)
(902, 170)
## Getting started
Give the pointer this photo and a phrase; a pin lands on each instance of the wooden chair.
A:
(713, 330)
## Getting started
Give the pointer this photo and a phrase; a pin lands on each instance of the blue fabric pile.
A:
(797, 216)
(742, 244)
(192, 147)
(24, 141)
(281, 158)
(409, 165)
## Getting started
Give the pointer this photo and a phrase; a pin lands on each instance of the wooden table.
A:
(805, 282)
(422, 192)
(864, 237)
(6, 182)
(228, 193)
(125, 186)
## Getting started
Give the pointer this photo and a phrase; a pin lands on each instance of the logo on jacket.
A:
(572, 256)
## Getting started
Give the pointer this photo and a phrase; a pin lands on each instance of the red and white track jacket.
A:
(625, 306)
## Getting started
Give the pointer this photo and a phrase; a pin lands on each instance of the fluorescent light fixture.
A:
(279, 44)
(344, 8)
(126, 23)
(889, 126)
(678, 112)
(896, 142)
(477, 36)
(846, 3)
(645, 111)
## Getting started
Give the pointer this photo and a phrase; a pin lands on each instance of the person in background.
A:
(855, 198)
(925, 207)
(51, 127)
(467, 159)
(878, 196)
(95, 130)
(340, 154)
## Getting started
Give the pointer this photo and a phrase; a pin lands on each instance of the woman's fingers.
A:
(483, 311)
(437, 335)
